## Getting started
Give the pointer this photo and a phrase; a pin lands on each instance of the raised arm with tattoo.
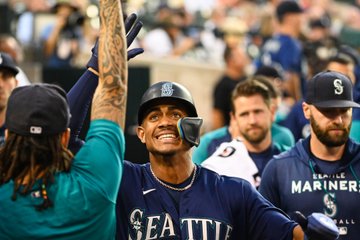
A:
(110, 97)
(81, 94)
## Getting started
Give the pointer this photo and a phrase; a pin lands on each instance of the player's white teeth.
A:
(166, 136)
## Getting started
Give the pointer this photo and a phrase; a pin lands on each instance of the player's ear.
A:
(140, 133)
(306, 110)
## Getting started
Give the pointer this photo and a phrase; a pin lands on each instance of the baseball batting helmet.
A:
(166, 90)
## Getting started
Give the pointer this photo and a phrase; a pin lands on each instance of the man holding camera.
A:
(62, 39)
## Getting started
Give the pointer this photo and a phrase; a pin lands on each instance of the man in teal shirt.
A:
(45, 192)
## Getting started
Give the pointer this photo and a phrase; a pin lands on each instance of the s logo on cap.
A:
(339, 88)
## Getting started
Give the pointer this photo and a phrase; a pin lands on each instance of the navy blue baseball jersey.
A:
(296, 122)
(285, 54)
(297, 181)
(214, 207)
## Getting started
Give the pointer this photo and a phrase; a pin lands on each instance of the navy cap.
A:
(330, 89)
(286, 7)
(37, 110)
(349, 52)
(7, 62)
(268, 71)
(322, 22)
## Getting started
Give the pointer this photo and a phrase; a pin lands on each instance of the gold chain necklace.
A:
(174, 188)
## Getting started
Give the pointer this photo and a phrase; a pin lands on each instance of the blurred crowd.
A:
(181, 28)
(291, 44)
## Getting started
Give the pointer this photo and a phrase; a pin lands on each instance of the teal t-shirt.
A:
(282, 136)
(84, 198)
(355, 130)
(209, 142)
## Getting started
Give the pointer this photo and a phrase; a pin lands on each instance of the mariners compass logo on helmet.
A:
(167, 89)
(165, 92)
(339, 88)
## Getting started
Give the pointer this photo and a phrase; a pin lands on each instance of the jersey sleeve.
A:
(293, 121)
(266, 221)
(290, 59)
(79, 98)
(100, 161)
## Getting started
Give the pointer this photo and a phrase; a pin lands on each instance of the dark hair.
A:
(227, 53)
(252, 86)
(287, 7)
(269, 72)
(274, 93)
(342, 59)
(26, 159)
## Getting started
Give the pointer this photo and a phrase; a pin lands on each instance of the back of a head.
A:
(37, 110)
(36, 117)
(344, 61)
(287, 7)
(274, 93)
(269, 72)
(349, 53)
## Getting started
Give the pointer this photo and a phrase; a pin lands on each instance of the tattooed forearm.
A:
(110, 97)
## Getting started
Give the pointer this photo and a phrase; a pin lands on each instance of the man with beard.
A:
(321, 172)
(252, 114)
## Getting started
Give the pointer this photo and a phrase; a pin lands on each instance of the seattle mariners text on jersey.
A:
(215, 207)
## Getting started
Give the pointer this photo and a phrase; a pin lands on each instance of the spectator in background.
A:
(284, 101)
(90, 32)
(320, 44)
(212, 35)
(236, 61)
(234, 31)
(61, 40)
(284, 51)
(168, 38)
(280, 136)
(252, 119)
(8, 71)
(26, 22)
(9, 45)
